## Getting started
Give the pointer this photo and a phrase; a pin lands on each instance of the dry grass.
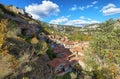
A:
(34, 40)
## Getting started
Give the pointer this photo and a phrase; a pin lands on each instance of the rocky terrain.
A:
(22, 54)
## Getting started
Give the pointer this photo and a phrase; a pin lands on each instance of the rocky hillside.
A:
(22, 53)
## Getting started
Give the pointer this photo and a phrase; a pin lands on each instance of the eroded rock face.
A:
(26, 32)
(37, 69)
(21, 59)
(41, 70)
(29, 30)
(19, 11)
(118, 20)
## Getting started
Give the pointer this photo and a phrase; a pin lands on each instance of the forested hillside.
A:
(103, 56)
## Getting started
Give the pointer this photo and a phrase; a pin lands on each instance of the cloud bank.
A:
(75, 7)
(76, 22)
(59, 20)
(110, 9)
(46, 9)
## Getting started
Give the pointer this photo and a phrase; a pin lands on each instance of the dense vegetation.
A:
(103, 58)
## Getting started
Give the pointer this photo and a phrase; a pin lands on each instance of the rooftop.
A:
(57, 61)
(60, 49)
(77, 49)
(69, 43)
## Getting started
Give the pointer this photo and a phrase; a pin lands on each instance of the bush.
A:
(103, 57)
(3, 31)
(40, 48)
(50, 53)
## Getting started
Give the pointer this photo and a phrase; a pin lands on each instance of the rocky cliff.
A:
(22, 54)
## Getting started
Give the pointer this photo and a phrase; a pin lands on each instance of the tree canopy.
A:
(103, 56)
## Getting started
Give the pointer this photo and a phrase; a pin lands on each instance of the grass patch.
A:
(50, 53)
(66, 76)
(69, 75)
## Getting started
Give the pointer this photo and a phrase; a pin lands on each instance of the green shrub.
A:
(103, 56)
(50, 53)
(40, 48)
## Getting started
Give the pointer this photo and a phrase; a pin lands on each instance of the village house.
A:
(61, 51)
(78, 54)
(73, 60)
(68, 53)
(59, 66)
(78, 51)
(69, 44)
(63, 39)
(62, 64)
(58, 39)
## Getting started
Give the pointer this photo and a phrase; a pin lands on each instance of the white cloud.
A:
(68, 16)
(110, 9)
(59, 20)
(38, 11)
(85, 18)
(89, 19)
(75, 22)
(96, 7)
(93, 21)
(82, 17)
(95, 2)
(81, 8)
(74, 8)
(88, 6)
(79, 22)
(110, 5)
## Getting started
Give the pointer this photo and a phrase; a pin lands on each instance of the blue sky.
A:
(69, 12)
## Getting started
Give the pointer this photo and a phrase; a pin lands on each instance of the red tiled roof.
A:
(60, 49)
(76, 58)
(69, 42)
(66, 54)
(57, 61)
(77, 49)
